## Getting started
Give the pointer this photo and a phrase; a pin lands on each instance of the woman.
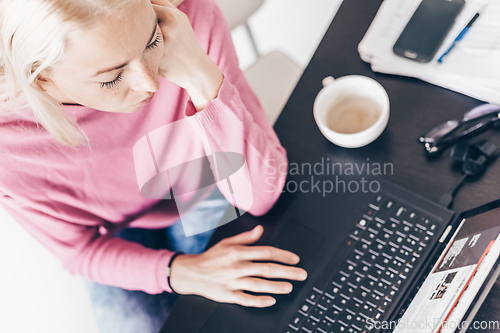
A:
(99, 75)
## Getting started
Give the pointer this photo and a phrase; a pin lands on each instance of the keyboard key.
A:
(424, 222)
(404, 254)
(381, 262)
(355, 257)
(377, 201)
(340, 302)
(373, 299)
(313, 297)
(332, 292)
(415, 236)
(389, 277)
(425, 240)
(374, 274)
(377, 315)
(412, 243)
(368, 311)
(398, 282)
(355, 234)
(393, 224)
(395, 266)
(347, 268)
(340, 279)
(337, 327)
(382, 306)
(324, 326)
(382, 287)
(359, 322)
(346, 292)
(353, 307)
(411, 217)
(378, 225)
(363, 224)
(325, 302)
(398, 213)
(385, 211)
(366, 241)
(397, 238)
(317, 314)
(421, 226)
(331, 314)
(360, 295)
(296, 321)
(345, 318)
(305, 308)
(351, 279)
(361, 248)
(308, 326)
(354, 329)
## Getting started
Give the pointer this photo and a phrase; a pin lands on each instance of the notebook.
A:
(366, 255)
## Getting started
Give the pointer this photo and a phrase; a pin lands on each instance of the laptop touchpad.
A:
(299, 239)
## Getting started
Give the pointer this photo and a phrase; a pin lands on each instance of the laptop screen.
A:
(457, 276)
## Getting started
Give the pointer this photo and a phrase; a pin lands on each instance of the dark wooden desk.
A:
(415, 107)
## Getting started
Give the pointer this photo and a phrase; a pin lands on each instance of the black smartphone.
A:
(427, 29)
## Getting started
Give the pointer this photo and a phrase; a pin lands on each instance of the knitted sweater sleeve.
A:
(235, 122)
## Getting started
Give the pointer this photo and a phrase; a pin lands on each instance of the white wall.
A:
(294, 27)
(36, 294)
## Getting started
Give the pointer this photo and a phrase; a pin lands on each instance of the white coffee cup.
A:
(351, 111)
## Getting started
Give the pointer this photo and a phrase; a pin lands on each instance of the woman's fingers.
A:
(268, 253)
(225, 271)
(274, 271)
(264, 286)
(166, 3)
(248, 237)
(164, 10)
(176, 3)
(244, 299)
(162, 13)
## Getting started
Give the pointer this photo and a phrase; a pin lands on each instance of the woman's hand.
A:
(184, 61)
(229, 268)
(176, 3)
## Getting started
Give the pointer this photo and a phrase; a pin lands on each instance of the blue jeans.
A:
(126, 311)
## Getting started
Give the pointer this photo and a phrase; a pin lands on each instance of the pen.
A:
(459, 37)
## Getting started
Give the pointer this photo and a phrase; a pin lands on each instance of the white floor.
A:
(36, 294)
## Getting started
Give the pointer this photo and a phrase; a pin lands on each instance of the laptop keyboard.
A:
(386, 244)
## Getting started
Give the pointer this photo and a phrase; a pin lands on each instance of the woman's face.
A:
(113, 66)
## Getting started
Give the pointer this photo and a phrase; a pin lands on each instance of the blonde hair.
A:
(33, 36)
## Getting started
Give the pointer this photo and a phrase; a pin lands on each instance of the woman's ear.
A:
(42, 80)
(45, 82)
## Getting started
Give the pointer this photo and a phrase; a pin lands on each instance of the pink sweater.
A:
(69, 199)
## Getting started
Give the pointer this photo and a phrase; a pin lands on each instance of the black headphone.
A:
(473, 159)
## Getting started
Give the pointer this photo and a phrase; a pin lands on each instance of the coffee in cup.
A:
(351, 111)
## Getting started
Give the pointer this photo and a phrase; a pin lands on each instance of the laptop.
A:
(366, 252)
